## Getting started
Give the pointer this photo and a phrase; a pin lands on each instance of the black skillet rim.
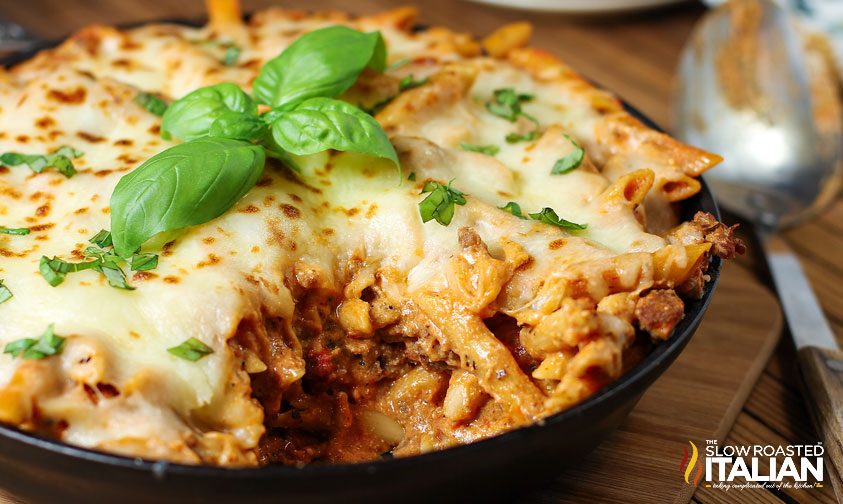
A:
(664, 351)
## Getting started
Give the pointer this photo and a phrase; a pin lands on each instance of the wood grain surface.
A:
(635, 56)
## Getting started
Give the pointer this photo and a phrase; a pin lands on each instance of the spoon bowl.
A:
(751, 92)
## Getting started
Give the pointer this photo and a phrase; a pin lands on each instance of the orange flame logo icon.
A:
(687, 466)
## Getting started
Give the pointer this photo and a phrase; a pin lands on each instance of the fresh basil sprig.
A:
(61, 159)
(227, 142)
(238, 126)
(319, 124)
(548, 216)
(440, 203)
(46, 345)
(195, 114)
(185, 185)
(322, 63)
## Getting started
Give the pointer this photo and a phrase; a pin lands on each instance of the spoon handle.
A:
(807, 323)
(820, 358)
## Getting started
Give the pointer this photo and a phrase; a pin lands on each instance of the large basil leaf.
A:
(193, 115)
(319, 124)
(324, 62)
(185, 185)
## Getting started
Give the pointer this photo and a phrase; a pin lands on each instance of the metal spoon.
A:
(13, 37)
(748, 91)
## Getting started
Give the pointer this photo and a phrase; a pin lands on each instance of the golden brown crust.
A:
(619, 134)
(516, 320)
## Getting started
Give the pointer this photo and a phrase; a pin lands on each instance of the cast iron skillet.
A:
(43, 470)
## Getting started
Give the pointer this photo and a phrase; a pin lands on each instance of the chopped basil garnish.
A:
(17, 347)
(513, 208)
(548, 216)
(151, 103)
(439, 204)
(60, 159)
(5, 293)
(144, 262)
(411, 177)
(101, 239)
(570, 162)
(191, 350)
(51, 271)
(95, 252)
(105, 261)
(506, 103)
(489, 150)
(410, 82)
(522, 137)
(14, 231)
(232, 54)
(232, 50)
(55, 270)
(48, 344)
(115, 275)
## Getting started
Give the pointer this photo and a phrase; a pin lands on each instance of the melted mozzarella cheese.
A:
(212, 277)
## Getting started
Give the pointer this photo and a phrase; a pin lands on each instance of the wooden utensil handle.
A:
(822, 375)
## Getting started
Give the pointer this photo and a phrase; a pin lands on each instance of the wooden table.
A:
(633, 55)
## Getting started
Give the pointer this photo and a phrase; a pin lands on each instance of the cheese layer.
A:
(343, 221)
